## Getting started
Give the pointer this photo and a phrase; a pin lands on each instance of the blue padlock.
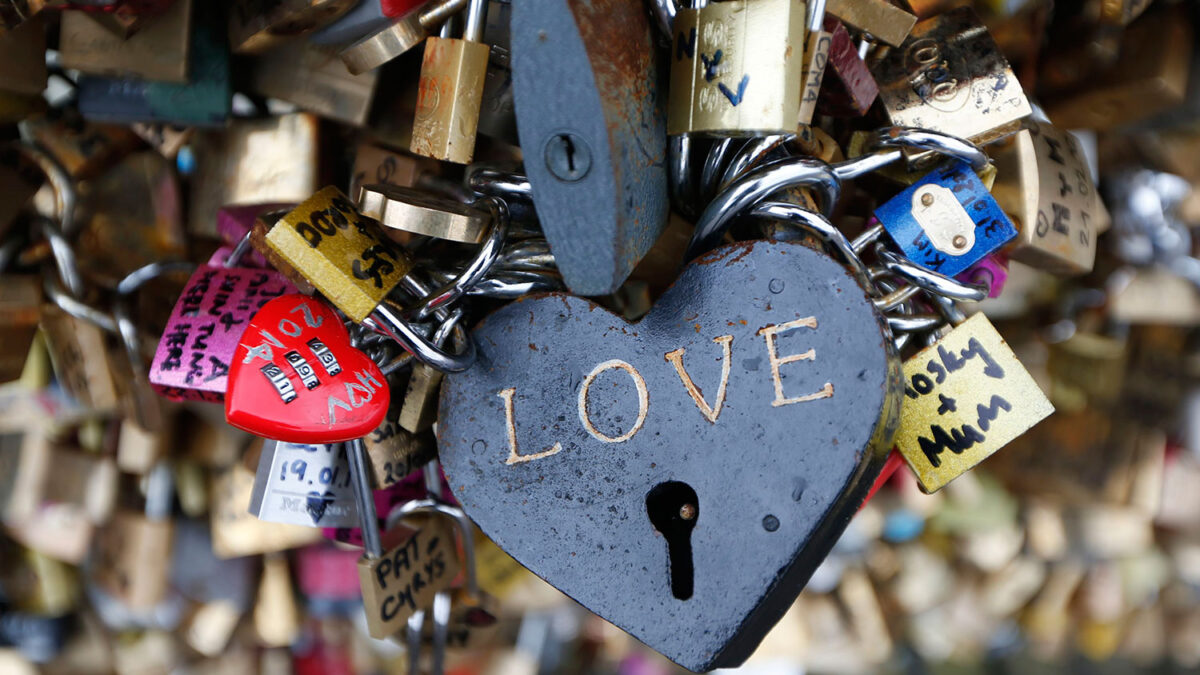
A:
(947, 221)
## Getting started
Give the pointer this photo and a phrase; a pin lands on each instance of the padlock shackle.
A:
(753, 153)
(924, 139)
(818, 225)
(462, 524)
(65, 261)
(364, 497)
(476, 20)
(65, 195)
(758, 184)
(926, 279)
(77, 308)
(388, 320)
(496, 183)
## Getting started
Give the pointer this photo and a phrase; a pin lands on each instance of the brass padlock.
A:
(950, 76)
(374, 50)
(376, 164)
(1044, 184)
(316, 81)
(158, 52)
(451, 91)
(276, 614)
(737, 68)
(133, 551)
(416, 212)
(878, 18)
(965, 398)
(237, 533)
(393, 452)
(256, 26)
(80, 356)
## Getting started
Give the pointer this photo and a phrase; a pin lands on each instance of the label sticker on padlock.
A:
(947, 221)
(765, 364)
(405, 578)
(965, 397)
(295, 377)
(194, 354)
(343, 254)
(304, 484)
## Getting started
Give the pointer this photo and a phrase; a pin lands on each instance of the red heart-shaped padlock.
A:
(296, 378)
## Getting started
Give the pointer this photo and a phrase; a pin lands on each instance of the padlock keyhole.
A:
(673, 509)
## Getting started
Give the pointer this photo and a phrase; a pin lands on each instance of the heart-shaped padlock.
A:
(295, 377)
(681, 476)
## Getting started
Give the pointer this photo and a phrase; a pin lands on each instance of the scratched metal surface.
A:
(588, 68)
(578, 517)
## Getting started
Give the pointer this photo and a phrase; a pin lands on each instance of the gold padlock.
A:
(405, 578)
(393, 452)
(737, 68)
(417, 212)
(1045, 186)
(376, 49)
(879, 18)
(256, 26)
(133, 551)
(950, 76)
(450, 92)
(159, 52)
(965, 398)
(253, 162)
(374, 164)
(13, 13)
(237, 533)
(79, 353)
(20, 310)
(276, 615)
(316, 81)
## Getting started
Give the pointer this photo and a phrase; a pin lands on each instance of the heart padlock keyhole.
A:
(673, 509)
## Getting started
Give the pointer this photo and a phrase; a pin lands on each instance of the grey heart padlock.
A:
(683, 476)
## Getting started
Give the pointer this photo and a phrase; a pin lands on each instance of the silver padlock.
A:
(304, 484)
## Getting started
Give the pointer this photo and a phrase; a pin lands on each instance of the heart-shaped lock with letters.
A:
(682, 476)
(295, 377)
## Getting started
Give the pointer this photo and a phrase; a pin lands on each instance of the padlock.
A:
(235, 532)
(991, 272)
(135, 218)
(125, 18)
(316, 81)
(204, 100)
(276, 615)
(133, 550)
(351, 262)
(473, 611)
(139, 450)
(23, 58)
(400, 581)
(451, 90)
(737, 68)
(372, 51)
(81, 148)
(849, 89)
(1044, 184)
(947, 221)
(252, 162)
(234, 223)
(528, 443)
(878, 18)
(157, 52)
(256, 26)
(393, 451)
(590, 117)
(328, 575)
(20, 311)
(949, 76)
(374, 164)
(195, 353)
(258, 239)
(74, 345)
(416, 212)
(296, 377)
(303, 484)
(968, 395)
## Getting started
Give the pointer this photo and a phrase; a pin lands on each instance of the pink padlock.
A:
(193, 356)
(328, 572)
(992, 271)
(235, 221)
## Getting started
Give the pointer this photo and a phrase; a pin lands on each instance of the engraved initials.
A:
(676, 358)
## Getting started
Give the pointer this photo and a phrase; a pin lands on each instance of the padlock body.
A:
(304, 484)
(950, 76)
(133, 558)
(405, 578)
(1045, 184)
(946, 221)
(737, 68)
(193, 357)
(448, 99)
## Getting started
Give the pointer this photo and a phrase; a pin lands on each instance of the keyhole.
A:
(673, 509)
(569, 149)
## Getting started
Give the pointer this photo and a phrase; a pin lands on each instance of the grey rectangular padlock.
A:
(303, 484)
